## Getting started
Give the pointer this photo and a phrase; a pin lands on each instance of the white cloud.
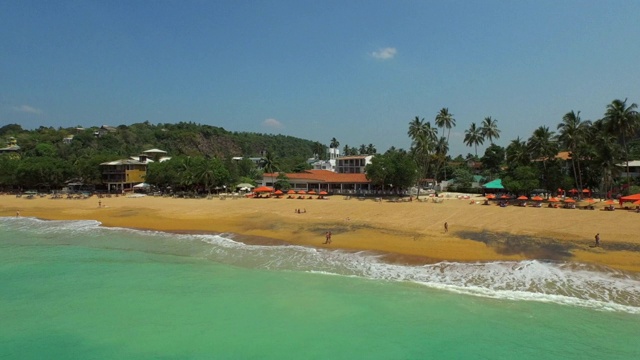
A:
(272, 123)
(384, 53)
(27, 109)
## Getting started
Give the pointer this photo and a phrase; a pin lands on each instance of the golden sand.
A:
(406, 231)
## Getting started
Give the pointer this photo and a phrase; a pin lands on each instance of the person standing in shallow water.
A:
(327, 238)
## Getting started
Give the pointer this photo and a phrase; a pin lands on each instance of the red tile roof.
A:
(324, 176)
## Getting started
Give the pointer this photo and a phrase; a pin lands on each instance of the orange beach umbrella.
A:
(491, 196)
(278, 192)
(291, 192)
(523, 197)
(553, 199)
(263, 189)
(302, 192)
(323, 193)
(569, 200)
(537, 198)
(312, 192)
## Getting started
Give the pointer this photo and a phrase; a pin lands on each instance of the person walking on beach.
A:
(99, 203)
(327, 238)
(446, 227)
(17, 213)
(598, 240)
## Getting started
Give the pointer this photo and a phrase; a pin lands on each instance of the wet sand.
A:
(406, 232)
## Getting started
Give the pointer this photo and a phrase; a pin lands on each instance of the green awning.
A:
(495, 184)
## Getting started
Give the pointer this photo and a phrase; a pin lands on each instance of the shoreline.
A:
(406, 233)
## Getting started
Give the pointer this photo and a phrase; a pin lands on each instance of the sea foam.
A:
(568, 283)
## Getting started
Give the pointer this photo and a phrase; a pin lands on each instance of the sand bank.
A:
(406, 231)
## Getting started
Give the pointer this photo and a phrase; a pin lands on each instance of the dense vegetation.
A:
(202, 155)
(46, 161)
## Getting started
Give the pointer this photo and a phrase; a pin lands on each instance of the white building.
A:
(330, 164)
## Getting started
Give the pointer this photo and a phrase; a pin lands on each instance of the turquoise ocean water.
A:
(75, 290)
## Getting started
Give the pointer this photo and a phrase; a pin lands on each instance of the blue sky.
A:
(355, 70)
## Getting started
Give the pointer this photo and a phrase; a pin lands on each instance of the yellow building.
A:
(122, 175)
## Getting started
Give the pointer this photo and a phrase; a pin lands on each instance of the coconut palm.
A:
(542, 145)
(371, 149)
(517, 153)
(605, 153)
(416, 127)
(573, 133)
(473, 137)
(334, 143)
(490, 129)
(444, 119)
(270, 165)
(623, 121)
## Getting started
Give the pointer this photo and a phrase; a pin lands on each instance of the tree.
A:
(371, 149)
(473, 137)
(623, 121)
(490, 129)
(493, 158)
(270, 164)
(517, 153)
(444, 120)
(334, 143)
(543, 147)
(395, 169)
(282, 183)
(521, 180)
(572, 135)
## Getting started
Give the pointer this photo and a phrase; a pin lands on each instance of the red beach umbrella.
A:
(523, 197)
(537, 198)
(553, 199)
(291, 192)
(278, 192)
(312, 192)
(301, 192)
(323, 193)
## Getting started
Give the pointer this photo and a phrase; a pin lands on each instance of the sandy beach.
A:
(411, 232)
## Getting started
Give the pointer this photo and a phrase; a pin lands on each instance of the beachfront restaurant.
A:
(323, 180)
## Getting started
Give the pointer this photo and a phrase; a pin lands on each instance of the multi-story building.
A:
(353, 164)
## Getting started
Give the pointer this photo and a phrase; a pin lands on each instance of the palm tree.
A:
(270, 165)
(416, 127)
(473, 137)
(334, 143)
(573, 132)
(542, 146)
(371, 149)
(363, 149)
(444, 119)
(490, 129)
(623, 121)
(423, 136)
(605, 152)
(517, 153)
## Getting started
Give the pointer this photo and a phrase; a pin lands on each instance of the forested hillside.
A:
(46, 157)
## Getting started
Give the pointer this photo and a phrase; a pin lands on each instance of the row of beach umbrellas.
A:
(553, 199)
(267, 189)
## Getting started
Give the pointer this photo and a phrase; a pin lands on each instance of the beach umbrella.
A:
(262, 189)
(302, 192)
(569, 200)
(323, 193)
(590, 200)
(291, 192)
(491, 196)
(553, 199)
(537, 198)
(278, 192)
(504, 197)
(610, 202)
(573, 191)
(637, 202)
(312, 192)
(523, 197)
